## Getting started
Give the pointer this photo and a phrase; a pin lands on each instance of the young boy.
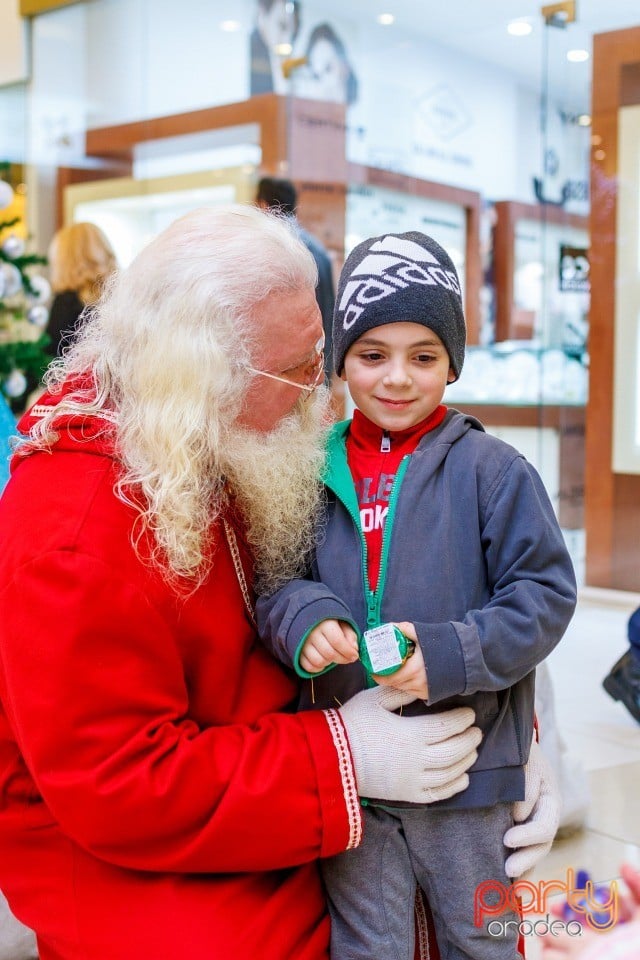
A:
(446, 531)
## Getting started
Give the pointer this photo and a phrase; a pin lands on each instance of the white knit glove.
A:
(537, 816)
(411, 759)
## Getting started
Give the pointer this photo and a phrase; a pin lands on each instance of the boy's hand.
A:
(412, 675)
(330, 642)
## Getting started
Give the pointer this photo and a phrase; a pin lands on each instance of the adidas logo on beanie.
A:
(399, 277)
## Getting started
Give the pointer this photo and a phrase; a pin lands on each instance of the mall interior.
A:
(508, 131)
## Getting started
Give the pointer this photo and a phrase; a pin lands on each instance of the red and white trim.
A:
(422, 928)
(349, 786)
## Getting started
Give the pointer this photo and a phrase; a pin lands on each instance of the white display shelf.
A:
(513, 375)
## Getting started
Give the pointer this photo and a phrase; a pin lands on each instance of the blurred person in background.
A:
(81, 259)
(623, 680)
(7, 430)
(276, 193)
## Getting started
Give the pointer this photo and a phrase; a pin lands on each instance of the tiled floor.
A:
(601, 735)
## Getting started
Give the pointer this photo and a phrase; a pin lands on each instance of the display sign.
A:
(574, 268)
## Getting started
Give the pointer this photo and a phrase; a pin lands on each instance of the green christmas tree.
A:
(24, 293)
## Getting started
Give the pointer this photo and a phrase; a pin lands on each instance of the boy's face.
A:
(397, 373)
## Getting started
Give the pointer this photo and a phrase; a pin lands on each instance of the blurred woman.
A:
(331, 76)
(80, 259)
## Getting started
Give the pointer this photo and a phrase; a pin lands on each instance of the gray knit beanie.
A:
(396, 277)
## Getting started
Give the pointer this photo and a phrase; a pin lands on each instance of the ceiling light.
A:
(577, 56)
(599, 154)
(230, 26)
(386, 19)
(584, 120)
(283, 49)
(519, 28)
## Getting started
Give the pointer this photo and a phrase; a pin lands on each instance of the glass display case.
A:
(530, 384)
(516, 372)
(131, 211)
(535, 400)
(551, 283)
(541, 273)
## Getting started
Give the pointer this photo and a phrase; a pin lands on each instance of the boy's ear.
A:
(451, 375)
(343, 375)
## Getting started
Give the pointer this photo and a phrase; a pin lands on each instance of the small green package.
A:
(384, 649)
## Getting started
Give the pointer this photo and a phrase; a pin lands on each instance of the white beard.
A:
(275, 480)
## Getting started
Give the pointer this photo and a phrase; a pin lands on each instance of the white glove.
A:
(537, 816)
(410, 759)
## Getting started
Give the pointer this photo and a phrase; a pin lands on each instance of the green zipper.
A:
(374, 598)
(346, 495)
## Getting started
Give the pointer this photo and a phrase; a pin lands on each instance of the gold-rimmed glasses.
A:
(305, 376)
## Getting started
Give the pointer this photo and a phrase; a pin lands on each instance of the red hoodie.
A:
(157, 800)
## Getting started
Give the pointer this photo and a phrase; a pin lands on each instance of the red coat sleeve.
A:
(96, 696)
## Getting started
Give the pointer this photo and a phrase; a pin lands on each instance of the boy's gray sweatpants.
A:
(449, 853)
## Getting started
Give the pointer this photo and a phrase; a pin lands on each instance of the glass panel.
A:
(551, 295)
(562, 323)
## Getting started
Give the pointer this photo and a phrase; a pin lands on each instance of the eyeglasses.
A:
(305, 376)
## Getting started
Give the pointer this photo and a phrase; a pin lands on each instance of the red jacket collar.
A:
(366, 434)
(92, 433)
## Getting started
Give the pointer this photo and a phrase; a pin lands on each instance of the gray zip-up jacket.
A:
(472, 555)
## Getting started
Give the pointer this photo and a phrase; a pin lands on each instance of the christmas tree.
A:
(23, 312)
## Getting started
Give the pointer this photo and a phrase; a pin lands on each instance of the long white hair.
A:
(165, 354)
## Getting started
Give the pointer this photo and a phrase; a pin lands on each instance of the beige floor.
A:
(603, 736)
